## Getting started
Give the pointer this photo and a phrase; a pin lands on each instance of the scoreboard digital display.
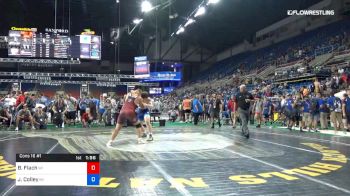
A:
(45, 45)
(141, 67)
(90, 47)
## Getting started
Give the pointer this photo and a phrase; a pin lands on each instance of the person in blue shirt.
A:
(197, 109)
(346, 111)
(335, 106)
(289, 111)
(267, 110)
(315, 111)
(323, 112)
(306, 121)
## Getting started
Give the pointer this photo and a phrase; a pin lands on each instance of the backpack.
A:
(337, 105)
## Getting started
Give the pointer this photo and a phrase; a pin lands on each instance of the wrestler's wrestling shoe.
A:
(109, 143)
(141, 141)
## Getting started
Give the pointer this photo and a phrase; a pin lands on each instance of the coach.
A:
(243, 102)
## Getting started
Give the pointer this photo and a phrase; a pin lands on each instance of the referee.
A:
(243, 102)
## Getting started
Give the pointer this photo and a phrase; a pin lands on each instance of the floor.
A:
(188, 160)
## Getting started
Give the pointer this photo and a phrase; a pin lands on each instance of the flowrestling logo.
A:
(310, 12)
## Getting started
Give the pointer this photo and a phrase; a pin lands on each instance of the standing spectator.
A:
(289, 111)
(243, 102)
(267, 110)
(257, 110)
(197, 109)
(20, 101)
(315, 111)
(215, 110)
(232, 108)
(30, 101)
(323, 112)
(335, 106)
(83, 104)
(317, 86)
(71, 109)
(306, 119)
(186, 104)
(206, 108)
(346, 111)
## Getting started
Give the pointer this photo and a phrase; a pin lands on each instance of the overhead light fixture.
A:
(201, 10)
(137, 21)
(146, 6)
(189, 21)
(181, 30)
(213, 2)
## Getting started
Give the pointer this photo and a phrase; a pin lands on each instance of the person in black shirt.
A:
(215, 108)
(243, 102)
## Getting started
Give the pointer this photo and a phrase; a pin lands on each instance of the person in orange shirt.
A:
(186, 105)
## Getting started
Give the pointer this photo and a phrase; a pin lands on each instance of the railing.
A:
(325, 50)
(342, 52)
(290, 63)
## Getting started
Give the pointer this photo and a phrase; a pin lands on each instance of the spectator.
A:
(87, 118)
(23, 116)
(40, 118)
(335, 105)
(197, 109)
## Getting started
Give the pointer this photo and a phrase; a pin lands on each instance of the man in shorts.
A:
(346, 111)
(186, 105)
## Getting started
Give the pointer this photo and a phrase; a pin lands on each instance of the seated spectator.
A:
(23, 116)
(40, 118)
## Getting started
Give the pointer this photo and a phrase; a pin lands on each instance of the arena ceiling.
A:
(225, 24)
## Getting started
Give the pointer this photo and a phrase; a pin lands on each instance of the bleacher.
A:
(317, 42)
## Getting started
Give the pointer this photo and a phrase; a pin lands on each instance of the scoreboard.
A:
(57, 169)
(45, 45)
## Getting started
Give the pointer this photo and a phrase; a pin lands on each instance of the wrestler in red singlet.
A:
(127, 113)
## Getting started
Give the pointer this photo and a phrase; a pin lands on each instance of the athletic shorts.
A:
(71, 115)
(125, 116)
(315, 117)
(266, 116)
(141, 116)
(298, 117)
(101, 111)
(187, 111)
(290, 114)
(215, 114)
